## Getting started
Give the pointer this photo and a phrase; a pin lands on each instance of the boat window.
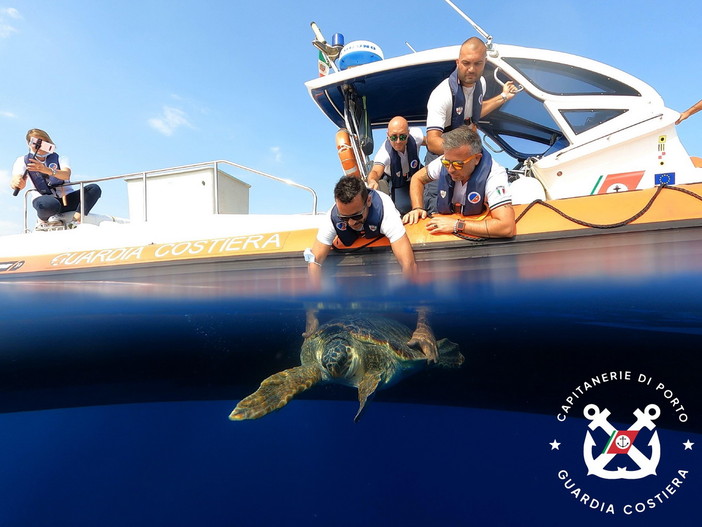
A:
(523, 127)
(582, 120)
(563, 79)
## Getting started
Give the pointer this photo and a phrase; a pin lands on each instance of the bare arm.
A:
(500, 225)
(37, 166)
(435, 141)
(509, 90)
(692, 110)
(423, 336)
(402, 249)
(374, 176)
(314, 270)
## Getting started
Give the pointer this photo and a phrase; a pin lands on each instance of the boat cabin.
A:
(577, 127)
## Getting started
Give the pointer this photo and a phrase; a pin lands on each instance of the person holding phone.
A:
(50, 174)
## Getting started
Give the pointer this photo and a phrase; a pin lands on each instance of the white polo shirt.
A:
(440, 105)
(391, 226)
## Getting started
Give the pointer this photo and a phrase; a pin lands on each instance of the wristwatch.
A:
(460, 224)
(53, 171)
(309, 257)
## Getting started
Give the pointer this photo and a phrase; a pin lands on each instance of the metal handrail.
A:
(146, 174)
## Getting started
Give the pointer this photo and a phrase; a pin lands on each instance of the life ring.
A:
(346, 155)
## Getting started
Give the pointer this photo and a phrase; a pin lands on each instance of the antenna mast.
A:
(483, 33)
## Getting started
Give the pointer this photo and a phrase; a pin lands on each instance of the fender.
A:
(346, 155)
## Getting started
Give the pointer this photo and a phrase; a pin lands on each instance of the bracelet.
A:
(487, 231)
(53, 171)
(504, 97)
(418, 208)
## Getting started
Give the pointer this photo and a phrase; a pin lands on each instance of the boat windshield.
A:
(565, 79)
(523, 126)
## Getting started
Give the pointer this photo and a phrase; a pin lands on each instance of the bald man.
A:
(398, 159)
(449, 107)
(458, 101)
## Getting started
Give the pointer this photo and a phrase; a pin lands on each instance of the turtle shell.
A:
(377, 332)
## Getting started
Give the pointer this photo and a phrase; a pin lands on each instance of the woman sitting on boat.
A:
(50, 174)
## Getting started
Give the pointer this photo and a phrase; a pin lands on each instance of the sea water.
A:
(115, 400)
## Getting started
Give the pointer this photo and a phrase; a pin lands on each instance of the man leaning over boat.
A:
(396, 162)
(469, 183)
(360, 212)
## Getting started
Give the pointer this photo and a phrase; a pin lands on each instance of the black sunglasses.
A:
(354, 217)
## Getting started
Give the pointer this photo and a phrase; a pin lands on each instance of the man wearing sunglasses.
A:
(360, 212)
(469, 183)
(398, 160)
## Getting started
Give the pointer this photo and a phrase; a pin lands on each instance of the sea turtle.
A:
(367, 353)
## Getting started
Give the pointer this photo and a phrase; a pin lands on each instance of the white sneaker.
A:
(52, 224)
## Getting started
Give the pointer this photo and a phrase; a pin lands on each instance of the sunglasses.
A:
(458, 165)
(396, 137)
(354, 217)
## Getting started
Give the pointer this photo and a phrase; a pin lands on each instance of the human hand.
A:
(683, 116)
(441, 225)
(414, 215)
(37, 166)
(311, 323)
(18, 182)
(423, 338)
(510, 89)
(372, 184)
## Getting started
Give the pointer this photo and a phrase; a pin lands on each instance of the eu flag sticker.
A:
(665, 179)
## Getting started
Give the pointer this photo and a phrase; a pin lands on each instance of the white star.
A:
(555, 445)
(688, 445)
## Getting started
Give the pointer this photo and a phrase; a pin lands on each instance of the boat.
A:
(597, 159)
(188, 313)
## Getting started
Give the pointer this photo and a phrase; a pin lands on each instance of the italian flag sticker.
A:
(620, 442)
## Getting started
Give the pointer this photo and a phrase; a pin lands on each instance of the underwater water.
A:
(115, 402)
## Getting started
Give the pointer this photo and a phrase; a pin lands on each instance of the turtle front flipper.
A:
(450, 355)
(275, 392)
(366, 388)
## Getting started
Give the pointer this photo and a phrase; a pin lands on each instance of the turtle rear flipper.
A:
(450, 355)
(366, 388)
(275, 392)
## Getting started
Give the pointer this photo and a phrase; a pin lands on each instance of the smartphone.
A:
(40, 144)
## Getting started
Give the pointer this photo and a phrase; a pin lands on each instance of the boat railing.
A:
(145, 175)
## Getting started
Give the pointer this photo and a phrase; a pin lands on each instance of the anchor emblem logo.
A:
(622, 442)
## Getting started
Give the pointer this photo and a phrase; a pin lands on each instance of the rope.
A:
(596, 225)
(567, 216)
(609, 225)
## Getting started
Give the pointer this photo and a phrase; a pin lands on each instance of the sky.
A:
(133, 86)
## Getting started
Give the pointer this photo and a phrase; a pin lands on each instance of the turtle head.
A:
(337, 358)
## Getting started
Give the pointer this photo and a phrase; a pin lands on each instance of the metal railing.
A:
(164, 171)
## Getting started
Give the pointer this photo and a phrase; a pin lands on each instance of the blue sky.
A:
(131, 86)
